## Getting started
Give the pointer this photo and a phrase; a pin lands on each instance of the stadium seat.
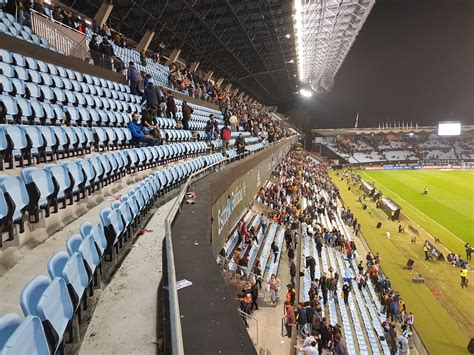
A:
(27, 337)
(17, 198)
(41, 190)
(63, 179)
(97, 232)
(50, 301)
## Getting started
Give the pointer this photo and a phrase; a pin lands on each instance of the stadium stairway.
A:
(360, 319)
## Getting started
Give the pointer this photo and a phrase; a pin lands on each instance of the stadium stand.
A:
(400, 147)
(65, 147)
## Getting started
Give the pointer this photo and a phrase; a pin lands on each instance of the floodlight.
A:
(324, 33)
(306, 93)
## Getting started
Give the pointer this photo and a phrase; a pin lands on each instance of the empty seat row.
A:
(31, 111)
(50, 304)
(45, 188)
(56, 95)
(38, 65)
(14, 81)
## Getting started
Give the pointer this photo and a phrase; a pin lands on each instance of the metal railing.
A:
(248, 318)
(177, 345)
(59, 36)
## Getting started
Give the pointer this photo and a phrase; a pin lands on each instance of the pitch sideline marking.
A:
(431, 219)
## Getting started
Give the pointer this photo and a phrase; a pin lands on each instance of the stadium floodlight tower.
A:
(324, 33)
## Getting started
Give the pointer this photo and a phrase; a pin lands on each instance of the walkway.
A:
(124, 320)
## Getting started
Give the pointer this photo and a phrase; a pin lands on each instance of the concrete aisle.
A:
(124, 320)
(269, 318)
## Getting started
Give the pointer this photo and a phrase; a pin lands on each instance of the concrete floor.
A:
(124, 320)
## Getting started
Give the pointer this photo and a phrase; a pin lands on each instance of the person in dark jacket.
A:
(96, 55)
(311, 264)
(187, 112)
(240, 144)
(254, 292)
(151, 95)
(171, 108)
(346, 289)
(138, 135)
(106, 49)
(134, 79)
(292, 272)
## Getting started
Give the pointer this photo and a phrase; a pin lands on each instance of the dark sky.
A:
(413, 60)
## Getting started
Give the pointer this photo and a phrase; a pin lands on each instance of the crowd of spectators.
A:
(303, 192)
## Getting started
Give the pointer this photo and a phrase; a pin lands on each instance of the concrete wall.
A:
(237, 189)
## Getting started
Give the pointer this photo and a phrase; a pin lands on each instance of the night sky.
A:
(413, 60)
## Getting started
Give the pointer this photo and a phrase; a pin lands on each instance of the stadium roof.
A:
(325, 32)
(249, 43)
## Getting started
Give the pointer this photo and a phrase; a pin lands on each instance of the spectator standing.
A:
(151, 95)
(211, 128)
(234, 123)
(143, 58)
(275, 251)
(463, 274)
(240, 144)
(225, 136)
(106, 49)
(340, 346)
(171, 108)
(311, 264)
(134, 79)
(346, 289)
(292, 272)
(187, 112)
(96, 55)
(138, 135)
(290, 318)
(274, 285)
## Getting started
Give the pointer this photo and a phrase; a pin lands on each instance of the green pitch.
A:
(446, 212)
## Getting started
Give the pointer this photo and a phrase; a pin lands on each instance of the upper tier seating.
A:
(11, 27)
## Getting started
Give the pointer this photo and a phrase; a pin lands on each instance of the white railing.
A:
(59, 36)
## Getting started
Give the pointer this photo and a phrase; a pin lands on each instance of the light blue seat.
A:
(72, 139)
(8, 324)
(62, 178)
(60, 96)
(9, 108)
(78, 176)
(89, 253)
(34, 76)
(37, 141)
(6, 85)
(73, 243)
(14, 187)
(95, 230)
(33, 91)
(7, 69)
(53, 69)
(26, 109)
(18, 86)
(57, 263)
(5, 56)
(75, 275)
(57, 82)
(42, 192)
(27, 338)
(62, 139)
(88, 171)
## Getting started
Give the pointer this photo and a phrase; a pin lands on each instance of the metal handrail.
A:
(177, 345)
(248, 316)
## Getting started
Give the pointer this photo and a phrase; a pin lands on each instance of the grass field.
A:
(444, 314)
(446, 212)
